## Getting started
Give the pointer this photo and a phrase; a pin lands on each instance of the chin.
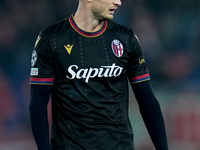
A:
(106, 17)
(109, 17)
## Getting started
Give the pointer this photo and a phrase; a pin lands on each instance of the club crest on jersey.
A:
(117, 48)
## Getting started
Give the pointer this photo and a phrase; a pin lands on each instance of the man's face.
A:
(104, 9)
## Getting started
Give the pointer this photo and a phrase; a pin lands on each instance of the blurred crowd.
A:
(169, 32)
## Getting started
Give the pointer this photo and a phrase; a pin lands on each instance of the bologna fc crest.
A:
(117, 48)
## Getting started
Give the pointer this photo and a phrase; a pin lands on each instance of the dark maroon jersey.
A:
(89, 74)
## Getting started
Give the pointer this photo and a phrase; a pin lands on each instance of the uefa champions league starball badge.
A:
(117, 48)
(34, 58)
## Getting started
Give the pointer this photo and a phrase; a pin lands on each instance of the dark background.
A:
(169, 31)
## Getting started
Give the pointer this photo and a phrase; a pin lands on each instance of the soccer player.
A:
(85, 63)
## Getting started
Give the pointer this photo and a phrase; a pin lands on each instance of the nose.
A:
(117, 2)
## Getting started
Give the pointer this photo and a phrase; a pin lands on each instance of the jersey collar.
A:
(86, 33)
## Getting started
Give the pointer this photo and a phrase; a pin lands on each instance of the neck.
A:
(86, 21)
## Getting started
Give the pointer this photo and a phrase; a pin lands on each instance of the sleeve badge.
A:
(34, 58)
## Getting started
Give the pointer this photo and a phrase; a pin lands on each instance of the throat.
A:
(91, 26)
(88, 24)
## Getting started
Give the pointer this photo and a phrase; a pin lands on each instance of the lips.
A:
(112, 10)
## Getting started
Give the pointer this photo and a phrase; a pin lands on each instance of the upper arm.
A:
(144, 94)
(137, 70)
(42, 71)
(138, 73)
(40, 95)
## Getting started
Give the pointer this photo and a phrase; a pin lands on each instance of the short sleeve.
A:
(137, 68)
(42, 72)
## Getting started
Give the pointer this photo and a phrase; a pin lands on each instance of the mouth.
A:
(112, 11)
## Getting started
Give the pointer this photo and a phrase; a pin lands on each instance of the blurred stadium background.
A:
(169, 31)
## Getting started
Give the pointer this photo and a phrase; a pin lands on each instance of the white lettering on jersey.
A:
(87, 73)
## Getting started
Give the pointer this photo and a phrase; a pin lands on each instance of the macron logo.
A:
(68, 48)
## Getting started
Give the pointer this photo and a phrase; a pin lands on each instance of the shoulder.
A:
(116, 27)
(56, 28)
(122, 32)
